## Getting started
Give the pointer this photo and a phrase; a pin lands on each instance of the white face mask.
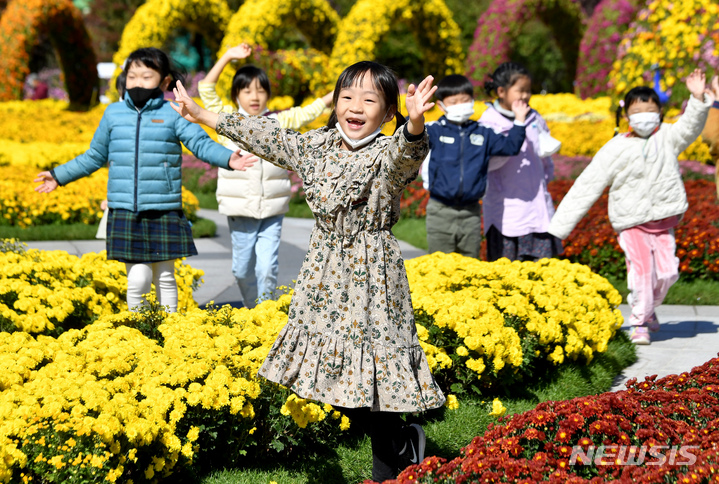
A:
(458, 113)
(358, 143)
(644, 124)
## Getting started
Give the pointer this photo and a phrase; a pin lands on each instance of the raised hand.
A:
(190, 110)
(417, 103)
(520, 110)
(242, 162)
(696, 82)
(238, 52)
(48, 182)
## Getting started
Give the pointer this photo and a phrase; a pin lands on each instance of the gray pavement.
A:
(689, 335)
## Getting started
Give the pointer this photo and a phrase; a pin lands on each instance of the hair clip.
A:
(621, 103)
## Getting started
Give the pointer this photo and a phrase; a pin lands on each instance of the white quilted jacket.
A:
(643, 176)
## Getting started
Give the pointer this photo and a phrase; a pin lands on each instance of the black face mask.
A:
(140, 95)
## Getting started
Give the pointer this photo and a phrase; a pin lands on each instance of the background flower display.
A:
(369, 21)
(646, 424)
(156, 20)
(671, 37)
(500, 25)
(22, 22)
(598, 49)
(257, 21)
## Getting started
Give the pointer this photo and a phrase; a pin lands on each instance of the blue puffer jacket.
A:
(460, 156)
(144, 155)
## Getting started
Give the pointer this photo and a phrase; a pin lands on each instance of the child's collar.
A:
(501, 110)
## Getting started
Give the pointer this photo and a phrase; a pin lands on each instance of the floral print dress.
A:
(350, 340)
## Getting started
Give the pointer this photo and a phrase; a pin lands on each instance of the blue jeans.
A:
(255, 247)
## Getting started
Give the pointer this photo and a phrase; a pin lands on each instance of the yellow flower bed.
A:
(51, 291)
(494, 319)
(77, 202)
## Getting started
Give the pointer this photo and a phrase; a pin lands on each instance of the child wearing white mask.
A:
(455, 171)
(517, 207)
(646, 194)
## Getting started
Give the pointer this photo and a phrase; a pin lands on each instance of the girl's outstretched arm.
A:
(417, 104)
(238, 52)
(190, 110)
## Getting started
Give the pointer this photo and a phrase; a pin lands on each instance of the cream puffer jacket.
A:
(642, 173)
(263, 190)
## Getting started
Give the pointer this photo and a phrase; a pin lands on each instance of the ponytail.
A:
(620, 106)
(401, 120)
(505, 76)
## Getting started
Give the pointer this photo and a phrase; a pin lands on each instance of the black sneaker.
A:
(413, 452)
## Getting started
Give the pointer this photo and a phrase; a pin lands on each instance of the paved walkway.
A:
(689, 335)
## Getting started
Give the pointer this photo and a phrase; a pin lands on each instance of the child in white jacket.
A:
(255, 201)
(646, 194)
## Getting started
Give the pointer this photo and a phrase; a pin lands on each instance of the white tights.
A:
(141, 276)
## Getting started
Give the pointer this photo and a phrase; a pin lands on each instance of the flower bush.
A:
(498, 322)
(49, 292)
(645, 424)
(257, 20)
(77, 202)
(598, 49)
(676, 36)
(502, 23)
(369, 21)
(21, 25)
(593, 241)
(154, 22)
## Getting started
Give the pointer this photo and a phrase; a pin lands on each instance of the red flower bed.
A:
(655, 431)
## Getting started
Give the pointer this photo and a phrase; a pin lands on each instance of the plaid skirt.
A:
(149, 236)
(526, 247)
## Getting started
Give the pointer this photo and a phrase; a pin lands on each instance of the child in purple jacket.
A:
(517, 206)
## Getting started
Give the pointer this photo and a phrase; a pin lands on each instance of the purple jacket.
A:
(517, 201)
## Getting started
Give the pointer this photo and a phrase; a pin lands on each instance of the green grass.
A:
(207, 200)
(447, 431)
(689, 293)
(413, 231)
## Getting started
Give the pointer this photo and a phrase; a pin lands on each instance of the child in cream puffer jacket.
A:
(255, 201)
(646, 195)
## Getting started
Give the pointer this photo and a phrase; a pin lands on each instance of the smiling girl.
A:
(139, 139)
(351, 340)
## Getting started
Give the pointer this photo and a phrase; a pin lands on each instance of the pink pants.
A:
(652, 268)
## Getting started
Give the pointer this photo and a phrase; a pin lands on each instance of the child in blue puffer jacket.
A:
(139, 139)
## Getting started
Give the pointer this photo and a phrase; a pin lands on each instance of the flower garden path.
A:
(689, 335)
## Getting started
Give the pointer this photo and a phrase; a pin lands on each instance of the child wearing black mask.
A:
(139, 138)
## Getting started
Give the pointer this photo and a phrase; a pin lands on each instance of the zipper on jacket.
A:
(461, 162)
(137, 157)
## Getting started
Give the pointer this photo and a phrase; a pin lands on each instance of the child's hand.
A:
(327, 98)
(242, 162)
(238, 52)
(190, 110)
(713, 93)
(520, 110)
(696, 82)
(417, 104)
(48, 182)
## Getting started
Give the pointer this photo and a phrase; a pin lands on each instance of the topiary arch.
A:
(502, 23)
(21, 23)
(256, 21)
(155, 21)
(370, 20)
(598, 49)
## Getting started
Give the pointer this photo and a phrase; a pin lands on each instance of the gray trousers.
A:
(454, 229)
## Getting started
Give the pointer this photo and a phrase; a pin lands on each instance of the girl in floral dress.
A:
(351, 340)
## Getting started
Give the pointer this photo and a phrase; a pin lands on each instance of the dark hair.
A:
(383, 79)
(244, 77)
(120, 84)
(158, 61)
(505, 76)
(452, 85)
(637, 94)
